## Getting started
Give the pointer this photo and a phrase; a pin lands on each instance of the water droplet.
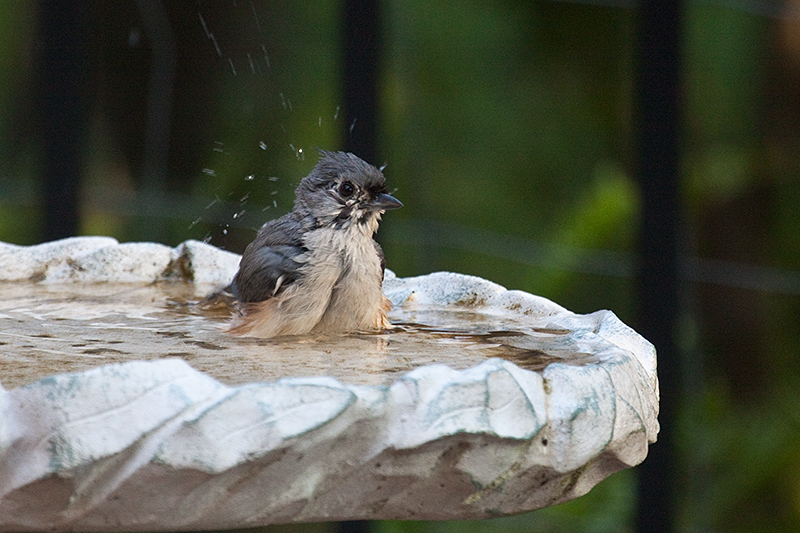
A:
(134, 37)
(250, 178)
(274, 203)
(244, 198)
(262, 145)
(195, 222)
(209, 171)
(225, 232)
(210, 35)
(252, 65)
(266, 57)
(273, 178)
(336, 115)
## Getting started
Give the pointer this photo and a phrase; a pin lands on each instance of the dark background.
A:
(516, 134)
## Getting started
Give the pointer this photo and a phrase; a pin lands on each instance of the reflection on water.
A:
(46, 330)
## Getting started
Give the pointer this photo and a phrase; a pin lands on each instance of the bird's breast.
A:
(349, 252)
(356, 299)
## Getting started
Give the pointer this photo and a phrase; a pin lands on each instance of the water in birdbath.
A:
(53, 329)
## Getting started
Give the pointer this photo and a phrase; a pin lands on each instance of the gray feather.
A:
(272, 262)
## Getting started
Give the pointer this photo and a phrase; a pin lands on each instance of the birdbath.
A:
(126, 406)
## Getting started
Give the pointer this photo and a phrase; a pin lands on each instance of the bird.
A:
(318, 268)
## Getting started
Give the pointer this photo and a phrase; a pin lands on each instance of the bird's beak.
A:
(384, 202)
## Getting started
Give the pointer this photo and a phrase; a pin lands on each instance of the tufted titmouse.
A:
(317, 269)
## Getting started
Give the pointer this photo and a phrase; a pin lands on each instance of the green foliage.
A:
(742, 461)
(16, 55)
(504, 117)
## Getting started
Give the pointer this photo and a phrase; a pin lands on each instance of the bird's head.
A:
(343, 190)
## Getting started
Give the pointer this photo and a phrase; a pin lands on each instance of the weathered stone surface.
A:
(203, 264)
(160, 445)
(34, 262)
(104, 259)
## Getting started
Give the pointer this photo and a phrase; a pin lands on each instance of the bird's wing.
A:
(270, 263)
(380, 256)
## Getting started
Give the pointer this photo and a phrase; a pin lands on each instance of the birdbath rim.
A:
(434, 442)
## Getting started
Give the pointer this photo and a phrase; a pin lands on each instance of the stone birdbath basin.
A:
(125, 406)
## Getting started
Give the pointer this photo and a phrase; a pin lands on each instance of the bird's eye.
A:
(347, 189)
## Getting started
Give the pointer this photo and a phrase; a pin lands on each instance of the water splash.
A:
(210, 35)
(214, 202)
(252, 64)
(255, 16)
(266, 57)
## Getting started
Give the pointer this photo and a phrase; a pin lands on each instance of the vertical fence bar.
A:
(63, 112)
(658, 130)
(362, 51)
